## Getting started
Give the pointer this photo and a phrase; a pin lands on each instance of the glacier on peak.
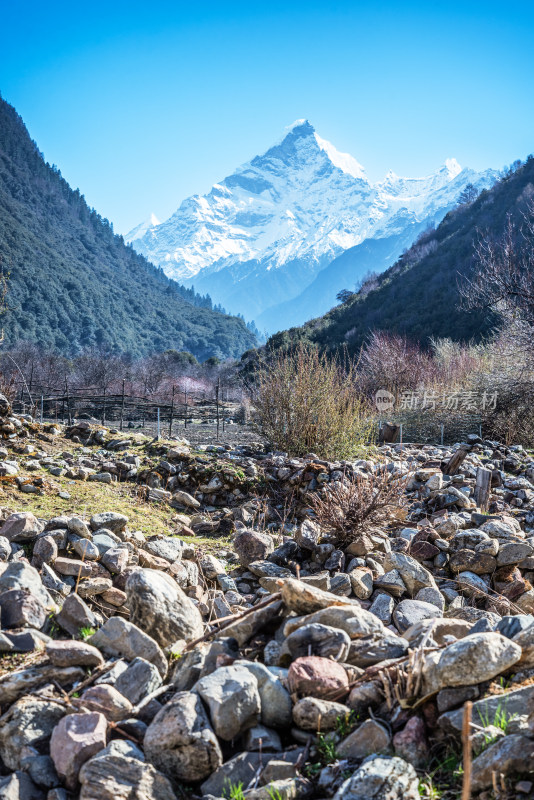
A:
(262, 235)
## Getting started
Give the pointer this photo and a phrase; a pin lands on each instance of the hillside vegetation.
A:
(74, 284)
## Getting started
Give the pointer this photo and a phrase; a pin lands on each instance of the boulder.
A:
(119, 637)
(75, 739)
(116, 777)
(232, 696)
(180, 741)
(158, 605)
(381, 778)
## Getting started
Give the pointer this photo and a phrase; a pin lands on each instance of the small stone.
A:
(72, 566)
(138, 680)
(313, 714)
(108, 701)
(110, 520)
(75, 615)
(410, 612)
(117, 777)
(370, 737)
(318, 640)
(73, 654)
(252, 546)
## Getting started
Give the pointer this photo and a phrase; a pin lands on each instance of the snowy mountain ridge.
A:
(262, 235)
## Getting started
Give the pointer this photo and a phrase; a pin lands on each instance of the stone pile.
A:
(286, 666)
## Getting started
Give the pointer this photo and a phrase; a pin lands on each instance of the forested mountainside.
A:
(74, 284)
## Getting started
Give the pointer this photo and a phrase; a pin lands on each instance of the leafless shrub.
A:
(307, 402)
(350, 507)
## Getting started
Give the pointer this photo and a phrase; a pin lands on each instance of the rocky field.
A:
(185, 620)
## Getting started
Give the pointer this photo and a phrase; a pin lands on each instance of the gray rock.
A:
(313, 714)
(139, 679)
(510, 755)
(63, 653)
(410, 612)
(305, 599)
(382, 607)
(413, 574)
(232, 696)
(5, 548)
(318, 640)
(252, 546)
(513, 553)
(180, 741)
(167, 547)
(274, 698)
(20, 575)
(240, 769)
(366, 652)
(115, 559)
(157, 604)
(86, 549)
(381, 778)
(17, 683)
(370, 737)
(20, 786)
(354, 620)
(511, 703)
(116, 777)
(261, 738)
(41, 770)
(119, 637)
(20, 609)
(28, 723)
(74, 615)
(44, 551)
(22, 526)
(473, 659)
(110, 520)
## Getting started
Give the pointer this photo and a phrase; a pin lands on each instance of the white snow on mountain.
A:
(262, 235)
(140, 230)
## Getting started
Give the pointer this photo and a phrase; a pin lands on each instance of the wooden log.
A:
(455, 461)
(482, 488)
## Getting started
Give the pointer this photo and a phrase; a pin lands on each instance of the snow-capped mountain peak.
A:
(262, 234)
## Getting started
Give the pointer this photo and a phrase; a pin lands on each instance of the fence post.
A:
(158, 424)
(104, 408)
(122, 405)
(223, 408)
(172, 414)
(401, 437)
(218, 386)
(442, 433)
(185, 414)
(42, 408)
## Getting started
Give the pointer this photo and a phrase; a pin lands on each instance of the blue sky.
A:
(142, 104)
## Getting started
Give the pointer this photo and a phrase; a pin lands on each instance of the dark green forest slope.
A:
(419, 295)
(75, 284)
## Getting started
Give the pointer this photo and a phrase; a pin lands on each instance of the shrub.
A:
(306, 402)
(358, 501)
